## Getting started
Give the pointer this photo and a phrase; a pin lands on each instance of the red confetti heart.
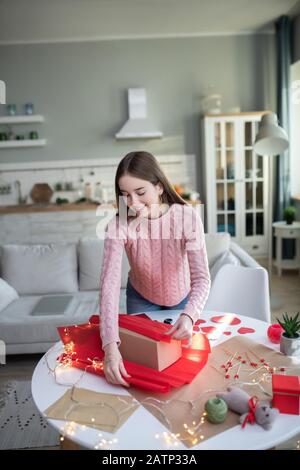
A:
(212, 332)
(228, 333)
(229, 319)
(208, 329)
(198, 322)
(196, 328)
(244, 330)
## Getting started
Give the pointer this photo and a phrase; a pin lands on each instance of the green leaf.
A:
(290, 324)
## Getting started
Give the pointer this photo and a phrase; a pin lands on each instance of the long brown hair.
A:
(144, 165)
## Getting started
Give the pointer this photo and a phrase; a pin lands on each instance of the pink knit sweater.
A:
(168, 260)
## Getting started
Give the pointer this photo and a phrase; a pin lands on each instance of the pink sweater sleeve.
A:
(199, 270)
(110, 282)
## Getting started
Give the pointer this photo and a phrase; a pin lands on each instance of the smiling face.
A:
(140, 195)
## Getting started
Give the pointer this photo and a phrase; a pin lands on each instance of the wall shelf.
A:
(21, 119)
(23, 143)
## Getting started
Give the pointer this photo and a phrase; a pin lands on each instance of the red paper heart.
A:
(196, 328)
(198, 322)
(228, 333)
(211, 332)
(244, 330)
(229, 319)
(209, 329)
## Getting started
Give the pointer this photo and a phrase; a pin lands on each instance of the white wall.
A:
(81, 89)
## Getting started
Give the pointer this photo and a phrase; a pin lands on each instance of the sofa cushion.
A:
(90, 255)
(40, 269)
(216, 245)
(7, 294)
(18, 326)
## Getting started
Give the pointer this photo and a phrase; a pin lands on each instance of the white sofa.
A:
(29, 272)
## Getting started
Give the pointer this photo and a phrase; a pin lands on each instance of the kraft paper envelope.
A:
(102, 411)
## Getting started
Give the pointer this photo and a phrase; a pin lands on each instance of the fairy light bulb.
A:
(69, 347)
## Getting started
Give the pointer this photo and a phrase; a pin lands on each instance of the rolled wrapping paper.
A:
(216, 410)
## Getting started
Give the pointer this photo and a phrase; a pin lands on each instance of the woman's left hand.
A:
(182, 329)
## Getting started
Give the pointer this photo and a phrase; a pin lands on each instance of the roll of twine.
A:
(216, 410)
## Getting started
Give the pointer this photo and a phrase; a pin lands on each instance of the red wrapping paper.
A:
(84, 347)
(286, 393)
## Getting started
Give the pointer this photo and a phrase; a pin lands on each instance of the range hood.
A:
(138, 125)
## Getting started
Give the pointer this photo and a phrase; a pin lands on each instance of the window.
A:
(294, 129)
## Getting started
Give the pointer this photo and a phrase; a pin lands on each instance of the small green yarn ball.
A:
(216, 410)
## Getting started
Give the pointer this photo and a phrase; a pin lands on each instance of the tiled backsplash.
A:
(180, 169)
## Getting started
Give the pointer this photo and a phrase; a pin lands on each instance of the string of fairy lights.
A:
(170, 438)
(248, 362)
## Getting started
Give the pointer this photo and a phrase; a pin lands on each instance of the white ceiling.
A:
(66, 20)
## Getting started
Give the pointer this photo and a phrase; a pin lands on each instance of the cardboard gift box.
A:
(286, 393)
(148, 352)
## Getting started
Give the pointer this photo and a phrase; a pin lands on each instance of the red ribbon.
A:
(250, 417)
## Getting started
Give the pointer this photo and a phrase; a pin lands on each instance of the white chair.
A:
(241, 290)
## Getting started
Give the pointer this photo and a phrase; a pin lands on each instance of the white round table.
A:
(133, 436)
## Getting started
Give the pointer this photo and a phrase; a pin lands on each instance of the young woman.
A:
(164, 242)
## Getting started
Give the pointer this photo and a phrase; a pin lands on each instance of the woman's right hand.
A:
(113, 365)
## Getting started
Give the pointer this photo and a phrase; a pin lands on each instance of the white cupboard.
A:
(236, 180)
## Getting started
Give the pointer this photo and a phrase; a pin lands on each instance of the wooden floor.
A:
(285, 297)
(285, 293)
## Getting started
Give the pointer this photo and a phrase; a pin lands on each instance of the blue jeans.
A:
(136, 303)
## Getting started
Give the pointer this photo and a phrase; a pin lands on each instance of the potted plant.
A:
(290, 338)
(289, 214)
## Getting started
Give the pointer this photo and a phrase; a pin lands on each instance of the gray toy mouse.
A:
(251, 409)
